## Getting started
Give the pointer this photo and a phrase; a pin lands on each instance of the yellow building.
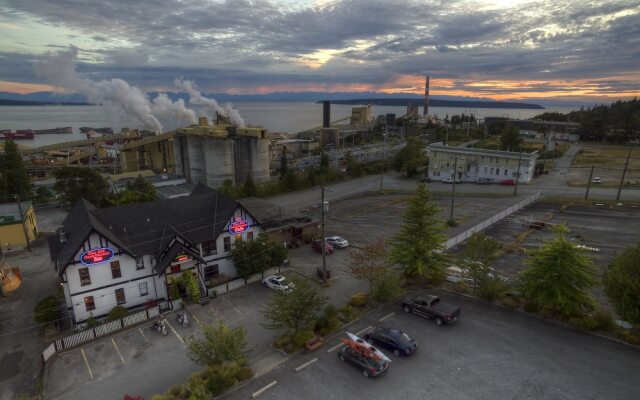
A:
(12, 233)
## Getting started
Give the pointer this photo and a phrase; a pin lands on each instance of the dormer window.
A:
(139, 263)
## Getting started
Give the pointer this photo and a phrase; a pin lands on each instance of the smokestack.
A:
(326, 114)
(426, 97)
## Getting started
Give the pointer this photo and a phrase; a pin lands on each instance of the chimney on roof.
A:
(62, 236)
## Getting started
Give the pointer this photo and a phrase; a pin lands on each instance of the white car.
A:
(597, 179)
(278, 282)
(337, 241)
(450, 180)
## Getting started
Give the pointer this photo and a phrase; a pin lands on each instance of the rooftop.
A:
(9, 212)
(483, 152)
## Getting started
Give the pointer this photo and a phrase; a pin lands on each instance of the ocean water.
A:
(286, 117)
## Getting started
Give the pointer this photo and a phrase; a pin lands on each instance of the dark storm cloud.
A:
(243, 44)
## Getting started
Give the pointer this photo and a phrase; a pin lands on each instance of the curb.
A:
(541, 318)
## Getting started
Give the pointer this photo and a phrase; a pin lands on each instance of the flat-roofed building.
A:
(474, 163)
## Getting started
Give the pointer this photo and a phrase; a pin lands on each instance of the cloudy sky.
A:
(510, 49)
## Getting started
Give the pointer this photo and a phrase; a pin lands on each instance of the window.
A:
(485, 170)
(497, 171)
(491, 170)
(89, 304)
(120, 296)
(211, 272)
(505, 172)
(227, 244)
(249, 236)
(209, 248)
(143, 288)
(139, 263)
(85, 279)
(238, 237)
(115, 269)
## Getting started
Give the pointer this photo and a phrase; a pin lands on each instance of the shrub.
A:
(492, 288)
(325, 325)
(585, 322)
(531, 306)
(219, 382)
(388, 287)
(604, 318)
(91, 322)
(300, 338)
(330, 311)
(345, 313)
(512, 302)
(283, 343)
(359, 299)
(630, 337)
(47, 310)
(116, 313)
(244, 374)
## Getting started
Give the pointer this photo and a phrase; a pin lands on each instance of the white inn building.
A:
(471, 164)
(129, 255)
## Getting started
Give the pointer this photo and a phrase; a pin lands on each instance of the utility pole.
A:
(624, 172)
(453, 190)
(515, 188)
(24, 228)
(384, 157)
(324, 241)
(586, 195)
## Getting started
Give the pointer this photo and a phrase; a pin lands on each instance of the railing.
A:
(240, 282)
(86, 335)
(490, 221)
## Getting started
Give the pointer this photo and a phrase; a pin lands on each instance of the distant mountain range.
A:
(399, 99)
(6, 102)
(441, 103)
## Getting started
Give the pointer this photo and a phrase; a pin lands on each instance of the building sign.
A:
(181, 257)
(96, 256)
(238, 225)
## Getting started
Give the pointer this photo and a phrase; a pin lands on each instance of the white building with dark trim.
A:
(129, 255)
(469, 164)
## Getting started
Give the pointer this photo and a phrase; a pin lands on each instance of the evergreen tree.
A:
(324, 163)
(249, 188)
(411, 157)
(14, 174)
(622, 284)
(510, 139)
(74, 183)
(558, 276)
(417, 246)
(284, 167)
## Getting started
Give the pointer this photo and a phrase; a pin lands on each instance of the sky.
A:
(502, 50)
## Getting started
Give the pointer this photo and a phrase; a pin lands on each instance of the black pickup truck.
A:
(431, 307)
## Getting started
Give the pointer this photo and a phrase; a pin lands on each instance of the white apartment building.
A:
(129, 255)
(471, 164)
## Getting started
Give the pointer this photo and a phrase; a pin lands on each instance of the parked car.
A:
(431, 307)
(484, 181)
(596, 179)
(316, 245)
(450, 180)
(508, 182)
(278, 282)
(393, 339)
(425, 178)
(369, 366)
(337, 242)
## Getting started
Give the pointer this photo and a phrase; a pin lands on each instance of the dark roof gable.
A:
(141, 228)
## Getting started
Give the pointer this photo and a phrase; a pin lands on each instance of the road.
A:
(491, 353)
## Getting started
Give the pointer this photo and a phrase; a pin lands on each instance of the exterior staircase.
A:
(204, 294)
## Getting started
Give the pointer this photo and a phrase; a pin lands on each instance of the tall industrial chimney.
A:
(326, 114)
(426, 97)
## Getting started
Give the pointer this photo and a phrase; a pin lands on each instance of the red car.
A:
(316, 245)
(508, 182)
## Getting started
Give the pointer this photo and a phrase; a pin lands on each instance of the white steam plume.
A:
(196, 98)
(163, 107)
(120, 100)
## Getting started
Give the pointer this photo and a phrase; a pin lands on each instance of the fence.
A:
(79, 338)
(240, 283)
(488, 222)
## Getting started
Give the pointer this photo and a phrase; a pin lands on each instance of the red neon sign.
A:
(97, 256)
(238, 225)
(181, 258)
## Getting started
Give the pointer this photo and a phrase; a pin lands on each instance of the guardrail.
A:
(490, 221)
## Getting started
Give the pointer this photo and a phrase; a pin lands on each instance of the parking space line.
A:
(234, 307)
(174, 331)
(142, 333)
(298, 368)
(335, 347)
(86, 362)
(195, 318)
(387, 316)
(118, 350)
(360, 332)
(260, 391)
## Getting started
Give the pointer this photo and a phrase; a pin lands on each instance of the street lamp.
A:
(324, 208)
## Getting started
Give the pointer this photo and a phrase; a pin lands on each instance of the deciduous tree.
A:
(622, 284)
(74, 183)
(558, 276)
(411, 157)
(417, 246)
(477, 257)
(296, 309)
(510, 139)
(255, 256)
(370, 262)
(219, 346)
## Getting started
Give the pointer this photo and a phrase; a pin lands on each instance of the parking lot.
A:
(491, 353)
